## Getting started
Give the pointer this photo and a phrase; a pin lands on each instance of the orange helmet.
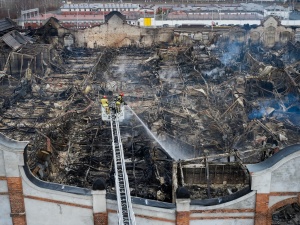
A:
(104, 96)
(122, 94)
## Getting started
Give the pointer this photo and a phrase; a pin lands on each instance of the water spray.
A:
(147, 129)
(173, 152)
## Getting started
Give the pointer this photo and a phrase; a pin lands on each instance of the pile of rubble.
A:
(182, 102)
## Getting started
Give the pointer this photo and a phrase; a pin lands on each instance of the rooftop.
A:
(99, 5)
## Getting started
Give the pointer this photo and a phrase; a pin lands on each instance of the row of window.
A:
(91, 10)
(79, 22)
(75, 22)
(209, 13)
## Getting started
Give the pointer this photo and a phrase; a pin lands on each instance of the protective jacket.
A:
(120, 99)
(104, 102)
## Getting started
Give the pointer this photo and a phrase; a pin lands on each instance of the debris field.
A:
(195, 114)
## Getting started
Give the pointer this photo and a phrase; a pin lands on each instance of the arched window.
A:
(285, 36)
(270, 33)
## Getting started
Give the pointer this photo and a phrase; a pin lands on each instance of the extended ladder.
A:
(125, 212)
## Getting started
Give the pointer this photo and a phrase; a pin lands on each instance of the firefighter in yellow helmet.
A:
(104, 103)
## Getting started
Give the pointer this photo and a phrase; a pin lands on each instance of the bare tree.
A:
(13, 8)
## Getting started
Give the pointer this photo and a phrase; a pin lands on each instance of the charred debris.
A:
(211, 109)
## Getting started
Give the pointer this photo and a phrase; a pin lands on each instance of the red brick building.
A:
(68, 21)
(99, 8)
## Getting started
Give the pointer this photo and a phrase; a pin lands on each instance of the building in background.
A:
(80, 16)
(97, 8)
(278, 11)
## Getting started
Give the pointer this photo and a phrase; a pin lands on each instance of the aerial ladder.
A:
(125, 212)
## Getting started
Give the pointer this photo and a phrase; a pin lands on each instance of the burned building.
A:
(206, 119)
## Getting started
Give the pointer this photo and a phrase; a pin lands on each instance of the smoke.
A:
(261, 112)
(287, 109)
(122, 68)
(214, 74)
(169, 75)
(126, 70)
(232, 53)
(170, 78)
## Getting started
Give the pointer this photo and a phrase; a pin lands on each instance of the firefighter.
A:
(104, 103)
(120, 98)
(119, 101)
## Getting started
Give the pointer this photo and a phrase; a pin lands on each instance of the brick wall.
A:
(278, 205)
(100, 219)
(16, 199)
(261, 209)
(263, 214)
(183, 218)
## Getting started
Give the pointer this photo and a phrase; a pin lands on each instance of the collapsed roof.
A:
(191, 110)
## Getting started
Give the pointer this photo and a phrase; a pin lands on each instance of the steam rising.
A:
(232, 53)
(287, 110)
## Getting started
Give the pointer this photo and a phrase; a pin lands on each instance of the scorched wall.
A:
(24, 202)
(116, 33)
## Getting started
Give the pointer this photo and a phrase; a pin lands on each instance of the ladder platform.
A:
(125, 212)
